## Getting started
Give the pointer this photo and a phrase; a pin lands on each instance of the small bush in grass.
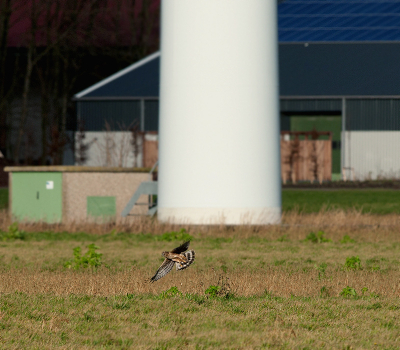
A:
(12, 233)
(213, 291)
(222, 289)
(321, 270)
(352, 263)
(348, 292)
(347, 239)
(374, 306)
(283, 238)
(324, 292)
(170, 293)
(181, 235)
(318, 237)
(90, 259)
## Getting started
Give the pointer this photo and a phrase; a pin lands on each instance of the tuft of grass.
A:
(283, 238)
(318, 237)
(12, 233)
(213, 291)
(91, 258)
(324, 292)
(348, 292)
(352, 263)
(170, 293)
(346, 239)
(321, 268)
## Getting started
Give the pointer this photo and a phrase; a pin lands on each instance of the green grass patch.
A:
(140, 321)
(373, 201)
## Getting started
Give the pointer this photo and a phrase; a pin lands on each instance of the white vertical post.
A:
(343, 139)
(219, 113)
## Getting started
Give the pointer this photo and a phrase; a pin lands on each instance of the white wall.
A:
(111, 148)
(372, 154)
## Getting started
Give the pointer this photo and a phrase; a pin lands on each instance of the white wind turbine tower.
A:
(219, 113)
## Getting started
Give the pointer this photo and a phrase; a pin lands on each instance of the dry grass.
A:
(294, 223)
(243, 283)
(286, 290)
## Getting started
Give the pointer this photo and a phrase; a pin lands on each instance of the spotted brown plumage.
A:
(180, 256)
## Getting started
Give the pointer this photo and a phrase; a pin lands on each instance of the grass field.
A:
(376, 201)
(328, 277)
(324, 280)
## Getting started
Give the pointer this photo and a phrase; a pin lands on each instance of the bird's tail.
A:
(190, 255)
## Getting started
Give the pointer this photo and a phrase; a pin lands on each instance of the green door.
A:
(322, 123)
(37, 196)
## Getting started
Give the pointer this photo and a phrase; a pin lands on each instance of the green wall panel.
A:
(37, 196)
(103, 207)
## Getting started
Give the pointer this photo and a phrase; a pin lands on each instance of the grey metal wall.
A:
(372, 114)
(310, 105)
(359, 114)
(118, 114)
(151, 108)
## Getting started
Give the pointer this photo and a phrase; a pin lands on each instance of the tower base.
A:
(220, 216)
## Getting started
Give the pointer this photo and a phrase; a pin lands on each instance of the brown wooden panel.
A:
(306, 160)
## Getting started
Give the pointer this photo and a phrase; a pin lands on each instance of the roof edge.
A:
(117, 75)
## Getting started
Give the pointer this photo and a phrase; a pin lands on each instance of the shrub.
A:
(347, 239)
(318, 237)
(170, 293)
(348, 292)
(222, 289)
(12, 233)
(213, 291)
(90, 259)
(352, 263)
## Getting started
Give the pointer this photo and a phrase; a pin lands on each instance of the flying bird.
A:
(180, 256)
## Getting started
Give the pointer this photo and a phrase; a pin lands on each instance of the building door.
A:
(323, 123)
(37, 196)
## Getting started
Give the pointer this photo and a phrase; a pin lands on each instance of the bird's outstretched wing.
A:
(182, 248)
(165, 267)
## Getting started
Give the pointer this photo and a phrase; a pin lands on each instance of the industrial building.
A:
(338, 72)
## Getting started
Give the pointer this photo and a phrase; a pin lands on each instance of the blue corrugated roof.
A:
(299, 21)
(339, 20)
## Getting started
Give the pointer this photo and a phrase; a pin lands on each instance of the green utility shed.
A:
(56, 194)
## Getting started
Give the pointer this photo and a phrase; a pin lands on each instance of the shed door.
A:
(37, 196)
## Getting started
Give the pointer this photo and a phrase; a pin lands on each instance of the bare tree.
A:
(5, 14)
(81, 147)
(31, 59)
(60, 36)
(135, 141)
(114, 148)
